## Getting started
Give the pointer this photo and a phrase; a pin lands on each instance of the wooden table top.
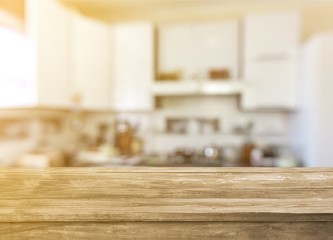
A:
(156, 195)
(160, 194)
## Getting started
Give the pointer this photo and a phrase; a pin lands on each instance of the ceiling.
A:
(140, 8)
(317, 13)
(163, 10)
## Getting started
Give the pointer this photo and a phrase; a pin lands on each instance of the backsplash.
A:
(23, 131)
(200, 122)
(266, 127)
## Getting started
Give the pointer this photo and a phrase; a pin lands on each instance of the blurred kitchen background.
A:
(166, 83)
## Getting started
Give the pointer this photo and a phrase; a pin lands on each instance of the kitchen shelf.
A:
(221, 87)
(221, 134)
(197, 87)
(175, 88)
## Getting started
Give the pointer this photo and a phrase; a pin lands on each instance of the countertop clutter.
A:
(246, 155)
(166, 203)
(126, 148)
(211, 156)
(124, 141)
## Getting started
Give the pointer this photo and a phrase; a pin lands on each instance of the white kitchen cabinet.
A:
(68, 59)
(176, 49)
(271, 45)
(274, 35)
(65, 57)
(196, 48)
(133, 66)
(113, 65)
(216, 47)
(49, 26)
(92, 63)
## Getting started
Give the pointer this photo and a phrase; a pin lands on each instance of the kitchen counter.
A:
(166, 203)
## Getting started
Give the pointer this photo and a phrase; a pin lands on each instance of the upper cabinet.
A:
(271, 45)
(49, 26)
(133, 66)
(271, 36)
(176, 50)
(92, 63)
(216, 47)
(191, 53)
(113, 65)
(195, 49)
(67, 58)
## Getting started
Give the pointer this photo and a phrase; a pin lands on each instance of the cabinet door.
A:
(49, 24)
(272, 85)
(196, 48)
(133, 59)
(271, 61)
(92, 63)
(176, 49)
(216, 47)
(271, 36)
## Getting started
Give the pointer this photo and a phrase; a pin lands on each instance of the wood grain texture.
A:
(167, 230)
(166, 203)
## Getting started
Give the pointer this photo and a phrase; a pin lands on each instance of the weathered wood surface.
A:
(166, 203)
(168, 230)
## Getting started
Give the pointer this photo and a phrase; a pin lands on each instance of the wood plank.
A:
(166, 194)
(121, 183)
(255, 210)
(167, 230)
(165, 210)
(74, 171)
(124, 191)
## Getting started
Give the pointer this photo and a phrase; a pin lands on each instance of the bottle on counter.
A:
(245, 153)
(123, 137)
